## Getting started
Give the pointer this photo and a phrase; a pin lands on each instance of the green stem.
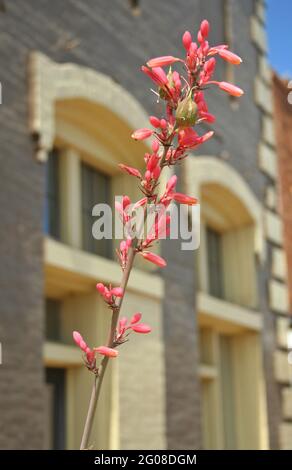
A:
(98, 380)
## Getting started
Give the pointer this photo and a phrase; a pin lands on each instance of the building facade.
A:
(283, 111)
(214, 371)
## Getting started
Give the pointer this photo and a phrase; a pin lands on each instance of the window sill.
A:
(226, 316)
(70, 269)
(61, 355)
(207, 372)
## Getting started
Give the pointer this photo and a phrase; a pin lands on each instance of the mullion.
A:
(95, 189)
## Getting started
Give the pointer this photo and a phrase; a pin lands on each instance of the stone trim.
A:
(286, 436)
(268, 131)
(279, 264)
(258, 34)
(282, 325)
(265, 70)
(273, 228)
(51, 81)
(271, 197)
(283, 369)
(287, 403)
(278, 296)
(263, 96)
(268, 161)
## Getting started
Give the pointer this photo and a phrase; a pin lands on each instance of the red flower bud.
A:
(154, 121)
(131, 171)
(230, 56)
(77, 337)
(153, 258)
(231, 89)
(205, 28)
(141, 328)
(162, 61)
(184, 199)
(105, 351)
(117, 292)
(142, 134)
(187, 40)
(100, 287)
(136, 318)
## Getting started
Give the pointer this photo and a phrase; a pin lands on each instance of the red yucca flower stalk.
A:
(183, 95)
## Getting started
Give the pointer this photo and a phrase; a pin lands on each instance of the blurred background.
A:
(215, 373)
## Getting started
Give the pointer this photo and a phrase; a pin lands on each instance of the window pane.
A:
(215, 271)
(52, 326)
(55, 409)
(227, 392)
(95, 189)
(52, 202)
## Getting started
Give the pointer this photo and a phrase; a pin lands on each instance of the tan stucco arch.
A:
(205, 169)
(51, 81)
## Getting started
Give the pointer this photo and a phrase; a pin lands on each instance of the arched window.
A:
(229, 322)
(82, 121)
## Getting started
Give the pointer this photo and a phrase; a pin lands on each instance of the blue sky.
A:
(279, 28)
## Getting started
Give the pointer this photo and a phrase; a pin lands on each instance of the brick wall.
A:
(109, 38)
(283, 125)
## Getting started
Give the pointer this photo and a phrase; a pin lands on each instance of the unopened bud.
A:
(186, 112)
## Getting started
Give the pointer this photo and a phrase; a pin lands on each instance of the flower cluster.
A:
(121, 336)
(90, 354)
(173, 136)
(110, 294)
(125, 327)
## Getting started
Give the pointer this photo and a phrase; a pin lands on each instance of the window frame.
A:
(215, 262)
(102, 247)
(52, 213)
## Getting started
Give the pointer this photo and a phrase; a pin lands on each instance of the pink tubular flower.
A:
(187, 40)
(230, 56)
(184, 199)
(141, 328)
(123, 252)
(205, 28)
(162, 61)
(110, 294)
(136, 318)
(142, 134)
(188, 138)
(171, 184)
(231, 89)
(90, 361)
(160, 228)
(154, 121)
(157, 75)
(153, 258)
(155, 146)
(130, 170)
(207, 117)
(100, 287)
(215, 50)
(205, 137)
(117, 292)
(140, 203)
(105, 351)
(124, 328)
(77, 338)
